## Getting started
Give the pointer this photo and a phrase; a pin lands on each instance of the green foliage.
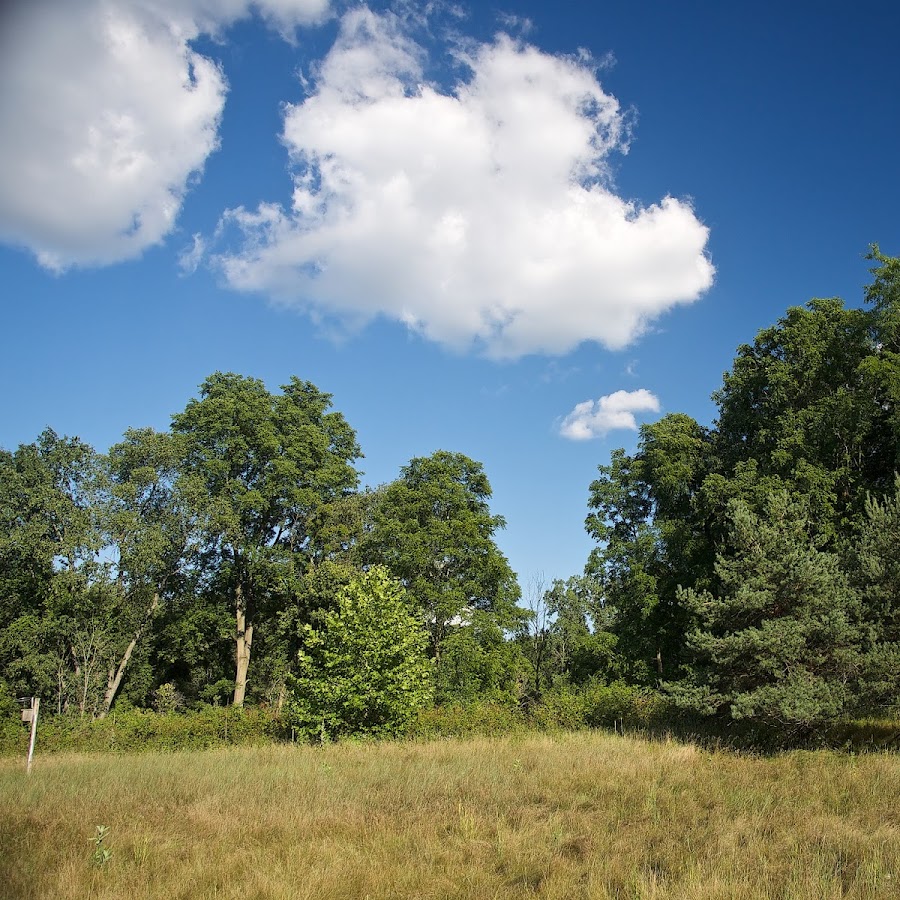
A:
(258, 469)
(364, 670)
(566, 635)
(782, 640)
(650, 541)
(484, 717)
(167, 698)
(804, 628)
(477, 661)
(137, 730)
(563, 707)
(605, 705)
(875, 565)
(878, 564)
(800, 402)
(433, 530)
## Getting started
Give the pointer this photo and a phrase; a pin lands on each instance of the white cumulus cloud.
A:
(479, 216)
(596, 418)
(106, 114)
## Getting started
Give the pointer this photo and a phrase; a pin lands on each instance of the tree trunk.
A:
(115, 676)
(244, 638)
(79, 681)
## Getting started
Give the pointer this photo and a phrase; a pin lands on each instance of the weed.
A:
(101, 854)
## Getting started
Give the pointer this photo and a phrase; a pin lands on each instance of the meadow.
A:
(583, 814)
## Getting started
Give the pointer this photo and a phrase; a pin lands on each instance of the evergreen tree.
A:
(782, 639)
(875, 561)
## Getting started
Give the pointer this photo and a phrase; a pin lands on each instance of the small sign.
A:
(27, 715)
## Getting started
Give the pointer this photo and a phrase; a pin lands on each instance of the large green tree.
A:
(59, 613)
(151, 528)
(258, 468)
(800, 402)
(653, 534)
(434, 531)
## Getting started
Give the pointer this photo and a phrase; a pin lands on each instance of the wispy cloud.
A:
(511, 22)
(192, 255)
(596, 418)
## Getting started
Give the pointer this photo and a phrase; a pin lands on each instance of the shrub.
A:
(135, 730)
(562, 707)
(487, 718)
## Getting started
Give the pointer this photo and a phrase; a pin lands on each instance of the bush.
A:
(632, 707)
(562, 707)
(167, 698)
(476, 717)
(364, 671)
(135, 730)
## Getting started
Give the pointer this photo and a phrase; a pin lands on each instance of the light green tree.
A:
(364, 670)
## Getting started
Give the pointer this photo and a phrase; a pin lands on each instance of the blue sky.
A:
(519, 247)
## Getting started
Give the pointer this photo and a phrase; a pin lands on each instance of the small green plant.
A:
(101, 854)
(168, 699)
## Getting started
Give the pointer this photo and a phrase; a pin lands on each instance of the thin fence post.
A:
(35, 706)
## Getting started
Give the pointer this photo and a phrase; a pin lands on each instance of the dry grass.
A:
(583, 815)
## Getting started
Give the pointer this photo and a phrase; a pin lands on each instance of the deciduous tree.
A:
(259, 467)
(364, 669)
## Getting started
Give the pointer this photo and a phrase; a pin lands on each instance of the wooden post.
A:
(35, 706)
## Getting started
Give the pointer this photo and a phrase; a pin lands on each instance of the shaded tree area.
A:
(749, 568)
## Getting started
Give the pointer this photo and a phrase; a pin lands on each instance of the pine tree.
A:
(876, 565)
(782, 641)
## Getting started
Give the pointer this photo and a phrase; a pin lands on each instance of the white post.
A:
(35, 705)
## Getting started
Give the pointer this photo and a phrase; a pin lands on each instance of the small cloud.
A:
(596, 418)
(191, 256)
(631, 368)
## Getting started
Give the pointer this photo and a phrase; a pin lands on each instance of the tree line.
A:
(748, 570)
(234, 556)
(752, 569)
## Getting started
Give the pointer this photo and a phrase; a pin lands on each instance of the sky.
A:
(516, 231)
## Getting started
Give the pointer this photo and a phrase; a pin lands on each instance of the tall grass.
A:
(576, 815)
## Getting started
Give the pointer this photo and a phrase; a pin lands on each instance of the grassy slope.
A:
(579, 815)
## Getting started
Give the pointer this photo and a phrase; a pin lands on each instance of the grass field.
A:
(587, 815)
